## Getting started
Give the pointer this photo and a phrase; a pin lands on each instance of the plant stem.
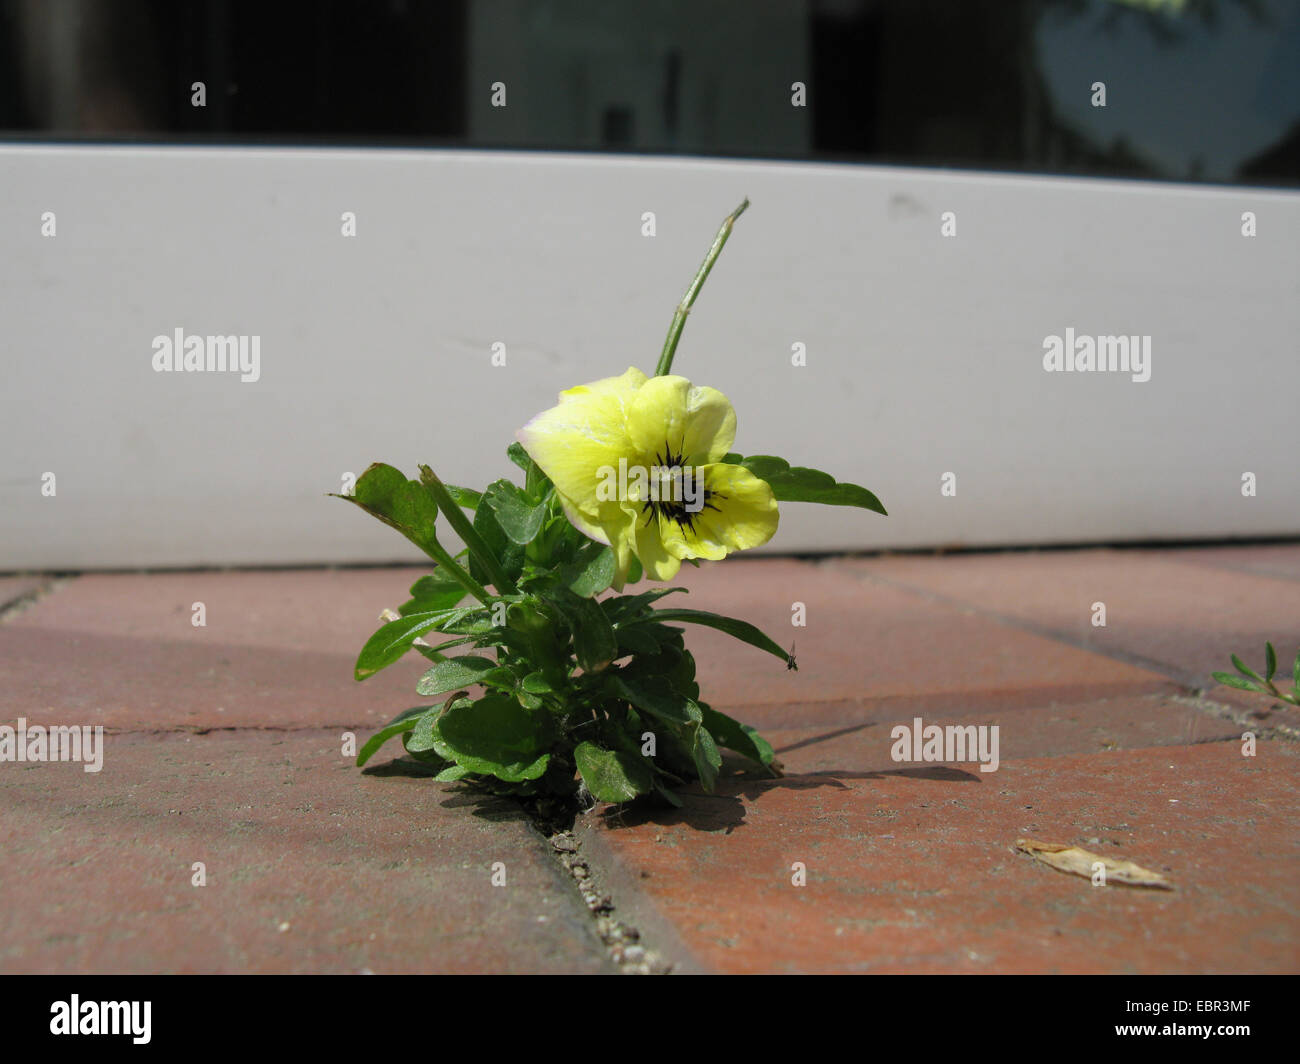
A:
(456, 516)
(688, 300)
(443, 557)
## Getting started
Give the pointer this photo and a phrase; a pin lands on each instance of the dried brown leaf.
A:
(1080, 862)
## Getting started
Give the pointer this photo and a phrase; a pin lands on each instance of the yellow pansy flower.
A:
(637, 463)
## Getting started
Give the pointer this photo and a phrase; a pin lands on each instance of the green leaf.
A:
(435, 653)
(496, 736)
(408, 506)
(1270, 661)
(741, 738)
(451, 774)
(516, 453)
(537, 483)
(385, 493)
(420, 739)
(742, 630)
(408, 714)
(800, 484)
(660, 635)
(509, 555)
(487, 559)
(591, 572)
(593, 636)
(1240, 682)
(656, 696)
(612, 775)
(395, 638)
(558, 541)
(671, 662)
(1295, 671)
(624, 608)
(475, 621)
(375, 487)
(704, 752)
(634, 572)
(430, 760)
(454, 673)
(466, 498)
(416, 513)
(1245, 669)
(382, 736)
(437, 591)
(668, 795)
(518, 516)
(636, 640)
(535, 683)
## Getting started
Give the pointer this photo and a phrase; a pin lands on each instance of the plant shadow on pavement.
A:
(401, 766)
(482, 803)
(722, 810)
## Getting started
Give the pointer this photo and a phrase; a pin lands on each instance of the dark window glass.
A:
(1199, 90)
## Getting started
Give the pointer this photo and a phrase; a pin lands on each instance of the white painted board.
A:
(924, 352)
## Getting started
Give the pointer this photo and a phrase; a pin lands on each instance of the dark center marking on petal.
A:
(677, 510)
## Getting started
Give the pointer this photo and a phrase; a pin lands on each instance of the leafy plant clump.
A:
(562, 681)
(1250, 680)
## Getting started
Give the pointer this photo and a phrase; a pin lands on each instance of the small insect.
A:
(790, 664)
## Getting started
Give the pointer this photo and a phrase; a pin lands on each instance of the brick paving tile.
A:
(871, 640)
(910, 868)
(990, 707)
(913, 869)
(312, 866)
(1163, 609)
(278, 650)
(1130, 722)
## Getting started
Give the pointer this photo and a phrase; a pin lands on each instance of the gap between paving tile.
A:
(20, 593)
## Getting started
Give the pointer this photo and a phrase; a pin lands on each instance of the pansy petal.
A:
(652, 551)
(673, 536)
(584, 524)
(701, 540)
(586, 434)
(613, 526)
(740, 512)
(671, 414)
(622, 387)
(621, 528)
